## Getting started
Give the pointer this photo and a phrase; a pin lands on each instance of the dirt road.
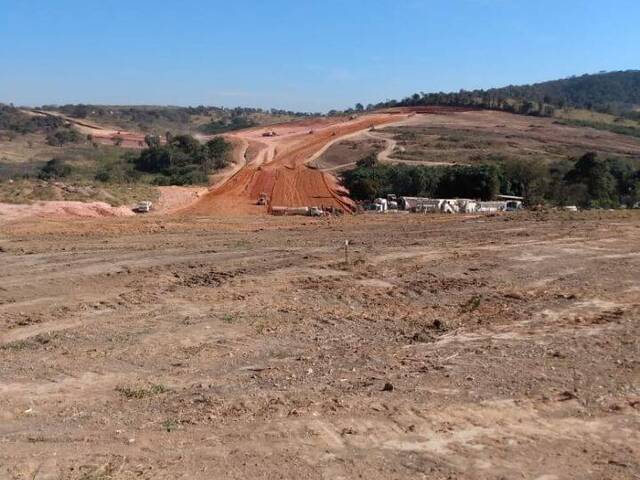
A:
(384, 156)
(200, 347)
(99, 133)
(281, 167)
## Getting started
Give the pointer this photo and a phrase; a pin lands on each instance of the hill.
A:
(160, 119)
(608, 92)
(481, 153)
(99, 144)
(103, 147)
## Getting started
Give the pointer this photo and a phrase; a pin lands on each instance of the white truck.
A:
(143, 207)
(381, 205)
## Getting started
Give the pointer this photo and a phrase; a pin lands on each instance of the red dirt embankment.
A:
(281, 172)
(430, 109)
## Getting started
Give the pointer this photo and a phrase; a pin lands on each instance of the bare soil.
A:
(450, 137)
(347, 152)
(245, 347)
(282, 167)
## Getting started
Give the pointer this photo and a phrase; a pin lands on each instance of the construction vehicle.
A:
(380, 205)
(143, 207)
(263, 199)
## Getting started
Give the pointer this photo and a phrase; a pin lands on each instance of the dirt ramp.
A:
(283, 172)
(305, 187)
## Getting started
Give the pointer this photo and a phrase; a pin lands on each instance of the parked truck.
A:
(381, 205)
(143, 207)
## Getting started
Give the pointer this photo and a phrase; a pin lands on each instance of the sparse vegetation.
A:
(190, 120)
(472, 304)
(141, 392)
(169, 425)
(29, 343)
(610, 127)
(14, 120)
(216, 127)
(228, 318)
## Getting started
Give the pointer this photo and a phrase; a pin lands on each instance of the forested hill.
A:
(600, 91)
(611, 92)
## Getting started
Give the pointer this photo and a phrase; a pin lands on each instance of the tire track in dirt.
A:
(286, 176)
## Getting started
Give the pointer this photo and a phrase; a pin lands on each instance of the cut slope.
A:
(281, 171)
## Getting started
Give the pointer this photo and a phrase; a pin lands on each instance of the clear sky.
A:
(300, 54)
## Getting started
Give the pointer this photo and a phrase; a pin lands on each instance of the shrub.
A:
(183, 160)
(53, 169)
(63, 136)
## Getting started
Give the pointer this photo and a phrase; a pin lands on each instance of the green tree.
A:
(594, 174)
(370, 161)
(527, 178)
(183, 160)
(54, 169)
(152, 141)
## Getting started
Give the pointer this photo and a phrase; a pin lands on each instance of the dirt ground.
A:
(346, 153)
(452, 137)
(245, 347)
(280, 166)
(481, 136)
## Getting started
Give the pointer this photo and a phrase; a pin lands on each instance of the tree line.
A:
(608, 92)
(589, 181)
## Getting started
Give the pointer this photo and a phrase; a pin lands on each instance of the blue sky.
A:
(300, 54)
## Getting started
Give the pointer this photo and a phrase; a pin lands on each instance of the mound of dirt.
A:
(61, 209)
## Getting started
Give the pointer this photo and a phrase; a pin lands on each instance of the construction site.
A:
(273, 172)
(463, 346)
(323, 240)
(268, 326)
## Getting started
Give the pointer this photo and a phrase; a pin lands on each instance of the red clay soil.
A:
(430, 109)
(287, 179)
(124, 139)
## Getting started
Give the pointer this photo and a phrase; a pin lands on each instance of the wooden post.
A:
(346, 252)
